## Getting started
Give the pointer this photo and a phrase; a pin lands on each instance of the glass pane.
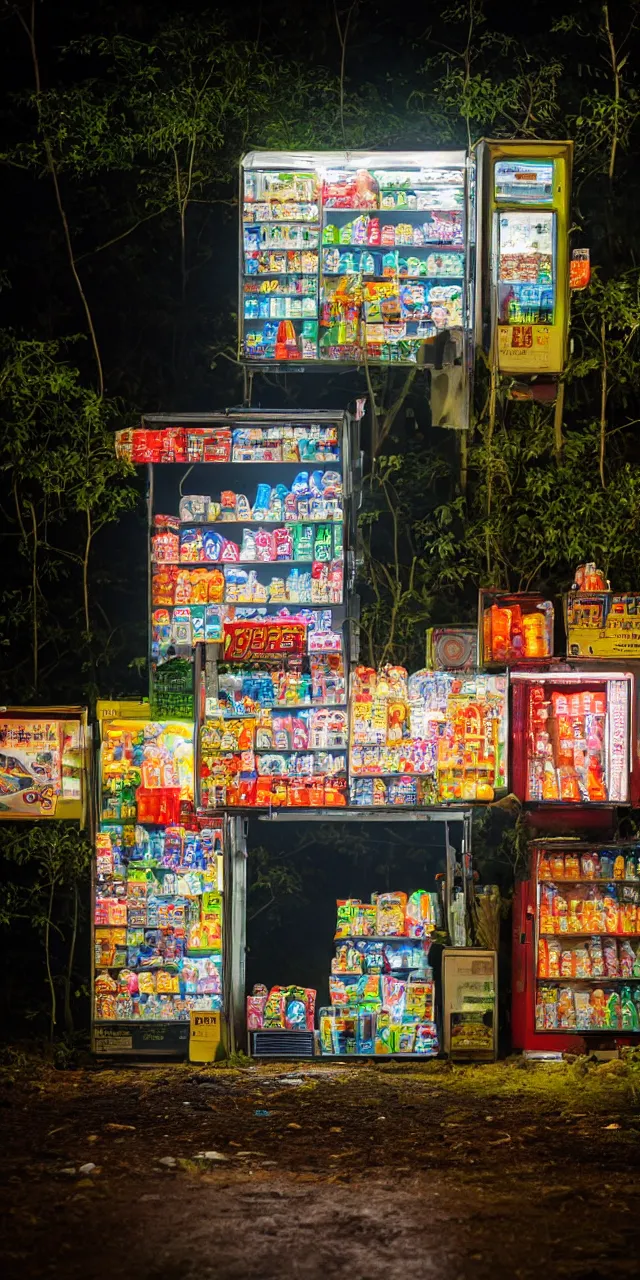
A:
(523, 180)
(526, 273)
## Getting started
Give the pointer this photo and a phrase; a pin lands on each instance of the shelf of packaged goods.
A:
(395, 773)
(153, 865)
(377, 937)
(378, 973)
(392, 275)
(295, 751)
(587, 1031)
(277, 524)
(591, 933)
(279, 707)
(397, 212)
(303, 604)
(159, 968)
(307, 315)
(349, 1057)
(145, 1022)
(268, 293)
(402, 277)
(601, 981)
(303, 778)
(555, 880)
(235, 564)
(295, 221)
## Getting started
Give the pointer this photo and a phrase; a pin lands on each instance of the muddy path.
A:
(304, 1171)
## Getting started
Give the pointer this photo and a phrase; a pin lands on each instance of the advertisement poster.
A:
(40, 764)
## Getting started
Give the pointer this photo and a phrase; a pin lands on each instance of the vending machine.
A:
(576, 948)
(522, 298)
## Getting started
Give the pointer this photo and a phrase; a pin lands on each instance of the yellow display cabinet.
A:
(43, 763)
(522, 294)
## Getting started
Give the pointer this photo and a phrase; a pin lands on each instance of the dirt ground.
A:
(185, 1173)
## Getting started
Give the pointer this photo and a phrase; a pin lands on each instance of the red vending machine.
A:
(576, 948)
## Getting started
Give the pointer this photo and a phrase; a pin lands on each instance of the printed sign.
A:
(262, 639)
(204, 1035)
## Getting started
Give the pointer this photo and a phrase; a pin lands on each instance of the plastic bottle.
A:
(534, 632)
(500, 633)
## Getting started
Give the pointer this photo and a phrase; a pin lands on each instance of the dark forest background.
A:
(121, 130)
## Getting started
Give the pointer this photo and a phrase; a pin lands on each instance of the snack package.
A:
(611, 962)
(419, 922)
(566, 1009)
(554, 953)
(344, 922)
(391, 910)
(626, 959)
(274, 1008)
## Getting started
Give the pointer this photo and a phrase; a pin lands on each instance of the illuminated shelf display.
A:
(429, 738)
(353, 256)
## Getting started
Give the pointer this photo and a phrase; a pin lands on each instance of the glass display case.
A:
(526, 271)
(578, 969)
(514, 628)
(571, 737)
(347, 256)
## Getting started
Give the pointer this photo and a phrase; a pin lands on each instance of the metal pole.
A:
(236, 943)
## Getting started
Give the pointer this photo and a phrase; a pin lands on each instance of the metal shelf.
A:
(377, 937)
(555, 880)
(277, 524)
(601, 981)
(590, 934)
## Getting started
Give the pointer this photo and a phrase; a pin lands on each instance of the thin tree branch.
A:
(51, 165)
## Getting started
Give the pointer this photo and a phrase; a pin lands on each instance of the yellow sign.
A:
(602, 625)
(205, 1035)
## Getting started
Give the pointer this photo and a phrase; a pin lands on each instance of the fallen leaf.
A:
(210, 1155)
(611, 1126)
(336, 1128)
(87, 1168)
(497, 1141)
(169, 1161)
(293, 1125)
(120, 1128)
